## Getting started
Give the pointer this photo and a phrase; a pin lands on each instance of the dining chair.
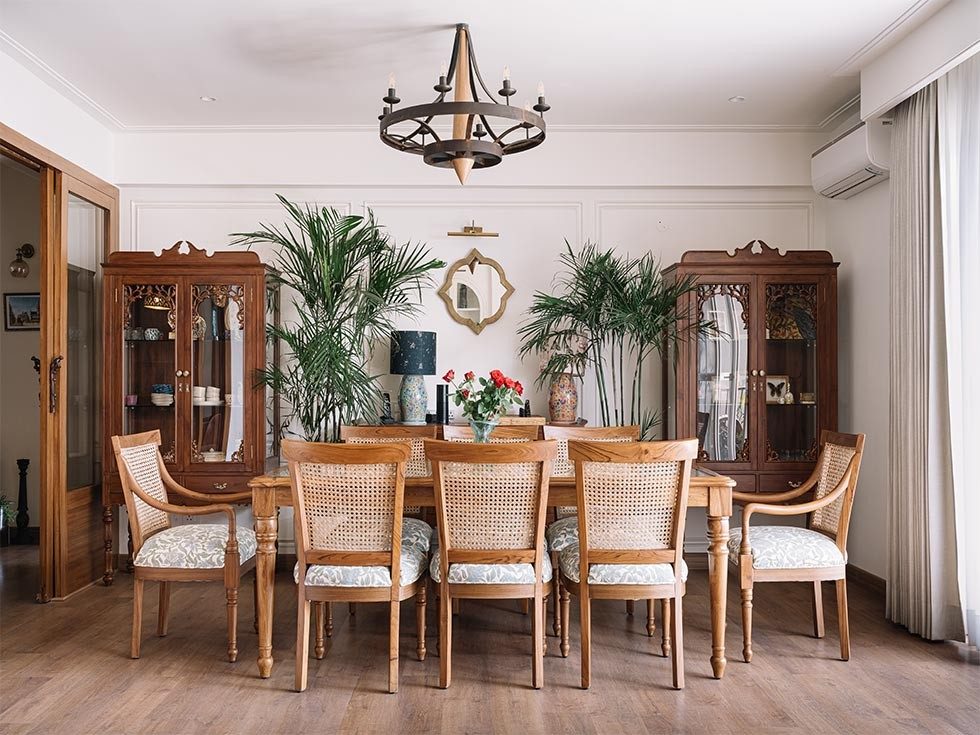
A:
(815, 553)
(163, 553)
(350, 541)
(491, 501)
(632, 506)
(500, 435)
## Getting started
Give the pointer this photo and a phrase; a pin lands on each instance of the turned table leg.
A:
(266, 533)
(718, 536)
(110, 567)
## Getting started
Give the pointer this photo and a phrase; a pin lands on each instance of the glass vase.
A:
(482, 430)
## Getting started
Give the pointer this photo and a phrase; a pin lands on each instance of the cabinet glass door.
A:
(217, 380)
(149, 362)
(722, 382)
(790, 383)
(273, 415)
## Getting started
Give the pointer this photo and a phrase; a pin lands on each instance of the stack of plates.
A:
(162, 399)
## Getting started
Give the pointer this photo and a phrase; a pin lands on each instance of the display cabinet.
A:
(759, 387)
(185, 337)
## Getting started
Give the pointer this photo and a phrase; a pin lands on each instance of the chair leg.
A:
(556, 596)
(818, 629)
(629, 607)
(651, 618)
(842, 622)
(231, 597)
(329, 609)
(134, 651)
(537, 639)
(564, 621)
(445, 637)
(677, 623)
(456, 606)
(525, 606)
(163, 617)
(255, 601)
(585, 608)
(747, 624)
(421, 598)
(394, 618)
(544, 625)
(665, 613)
(319, 615)
(302, 643)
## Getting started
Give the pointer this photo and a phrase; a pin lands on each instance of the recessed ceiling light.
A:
(736, 99)
(206, 98)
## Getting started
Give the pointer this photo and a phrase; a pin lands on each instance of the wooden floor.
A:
(64, 667)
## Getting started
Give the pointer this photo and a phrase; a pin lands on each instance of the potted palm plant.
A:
(348, 283)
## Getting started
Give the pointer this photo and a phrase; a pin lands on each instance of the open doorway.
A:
(20, 348)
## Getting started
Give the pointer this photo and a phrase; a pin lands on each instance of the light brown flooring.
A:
(64, 667)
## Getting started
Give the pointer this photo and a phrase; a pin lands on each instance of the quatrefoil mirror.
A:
(476, 291)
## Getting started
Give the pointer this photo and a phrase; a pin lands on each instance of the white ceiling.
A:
(295, 63)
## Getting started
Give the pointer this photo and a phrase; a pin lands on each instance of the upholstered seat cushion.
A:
(569, 560)
(414, 557)
(488, 573)
(193, 546)
(786, 547)
(562, 533)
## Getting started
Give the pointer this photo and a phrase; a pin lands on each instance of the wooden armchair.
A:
(632, 507)
(816, 553)
(350, 542)
(564, 531)
(491, 502)
(189, 553)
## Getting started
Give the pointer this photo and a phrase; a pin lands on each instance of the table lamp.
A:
(413, 356)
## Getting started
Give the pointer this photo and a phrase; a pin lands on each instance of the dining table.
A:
(708, 490)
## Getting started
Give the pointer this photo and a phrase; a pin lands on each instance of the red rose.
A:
(495, 374)
(449, 376)
(509, 382)
(470, 375)
(519, 388)
(498, 380)
(465, 393)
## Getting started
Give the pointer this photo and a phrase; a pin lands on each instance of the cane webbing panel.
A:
(418, 465)
(833, 465)
(348, 507)
(141, 461)
(491, 506)
(564, 467)
(630, 505)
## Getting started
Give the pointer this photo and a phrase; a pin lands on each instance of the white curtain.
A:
(959, 187)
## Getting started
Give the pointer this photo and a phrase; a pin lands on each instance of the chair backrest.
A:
(500, 435)
(347, 503)
(632, 501)
(840, 455)
(141, 470)
(491, 501)
(418, 465)
(563, 465)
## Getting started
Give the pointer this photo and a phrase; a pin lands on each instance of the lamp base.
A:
(413, 400)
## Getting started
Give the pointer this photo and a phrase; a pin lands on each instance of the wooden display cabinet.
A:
(184, 338)
(758, 392)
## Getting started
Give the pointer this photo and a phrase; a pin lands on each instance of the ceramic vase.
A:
(482, 430)
(563, 400)
(413, 400)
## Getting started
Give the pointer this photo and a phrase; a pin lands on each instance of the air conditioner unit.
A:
(853, 161)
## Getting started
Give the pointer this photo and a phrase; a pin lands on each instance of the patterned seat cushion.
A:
(193, 546)
(569, 561)
(562, 533)
(489, 573)
(417, 533)
(786, 547)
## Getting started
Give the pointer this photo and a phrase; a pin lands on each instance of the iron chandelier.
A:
(474, 141)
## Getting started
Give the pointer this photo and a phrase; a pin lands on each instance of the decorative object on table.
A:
(485, 400)
(777, 386)
(152, 334)
(18, 266)
(476, 291)
(563, 399)
(407, 129)
(350, 284)
(386, 417)
(621, 310)
(413, 356)
(471, 230)
(442, 403)
(22, 312)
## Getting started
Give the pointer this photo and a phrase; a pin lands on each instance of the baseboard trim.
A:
(866, 579)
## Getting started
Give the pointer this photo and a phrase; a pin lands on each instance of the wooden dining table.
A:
(708, 490)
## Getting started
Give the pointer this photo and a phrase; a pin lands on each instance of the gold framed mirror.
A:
(476, 291)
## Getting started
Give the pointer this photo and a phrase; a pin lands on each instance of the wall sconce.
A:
(18, 266)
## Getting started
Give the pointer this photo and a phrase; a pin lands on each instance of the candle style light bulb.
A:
(443, 69)
(540, 89)
(391, 81)
(527, 106)
(506, 73)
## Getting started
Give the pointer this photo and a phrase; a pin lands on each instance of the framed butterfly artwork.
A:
(777, 386)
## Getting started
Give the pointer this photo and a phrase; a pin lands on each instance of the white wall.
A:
(20, 428)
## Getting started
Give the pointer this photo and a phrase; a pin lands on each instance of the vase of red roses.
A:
(484, 400)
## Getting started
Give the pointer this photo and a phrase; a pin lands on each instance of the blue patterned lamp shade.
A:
(413, 353)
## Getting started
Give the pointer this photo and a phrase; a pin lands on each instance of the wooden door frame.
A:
(59, 177)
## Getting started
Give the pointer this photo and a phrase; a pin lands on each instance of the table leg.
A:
(718, 588)
(266, 532)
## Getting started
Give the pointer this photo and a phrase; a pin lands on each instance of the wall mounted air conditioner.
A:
(853, 161)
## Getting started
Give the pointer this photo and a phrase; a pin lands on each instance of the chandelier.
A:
(483, 130)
